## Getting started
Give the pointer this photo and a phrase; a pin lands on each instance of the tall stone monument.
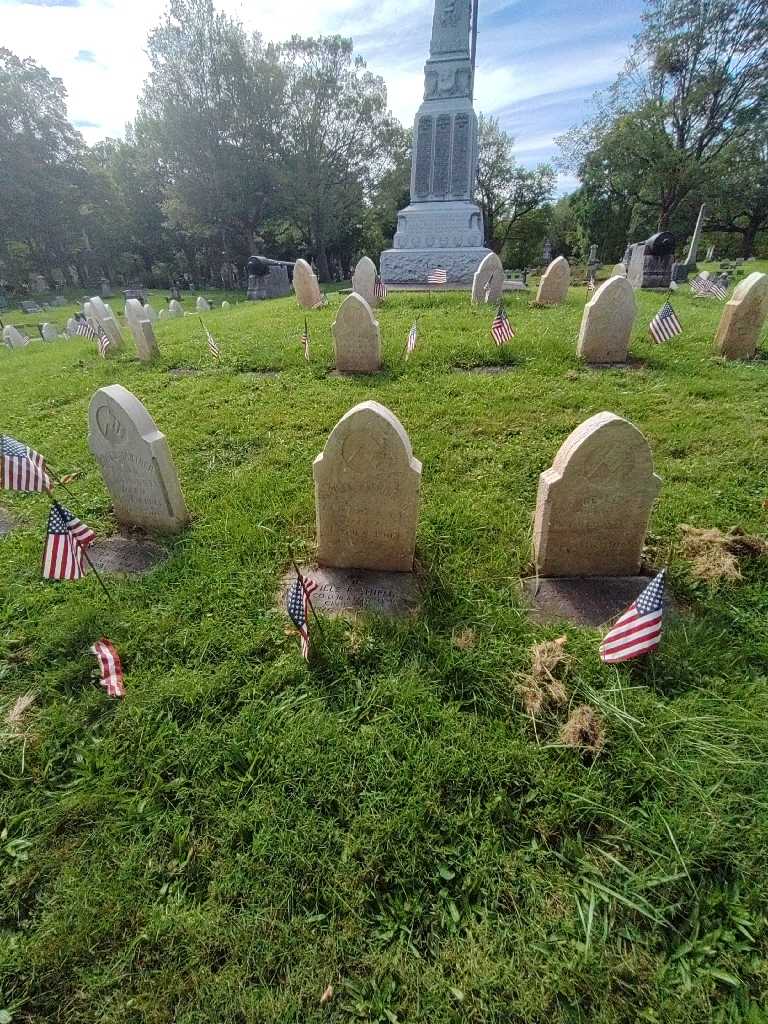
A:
(442, 227)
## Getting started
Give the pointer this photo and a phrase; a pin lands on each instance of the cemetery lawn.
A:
(242, 831)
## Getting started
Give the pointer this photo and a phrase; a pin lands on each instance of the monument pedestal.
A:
(443, 234)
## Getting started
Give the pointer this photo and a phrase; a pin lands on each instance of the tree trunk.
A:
(321, 255)
(748, 239)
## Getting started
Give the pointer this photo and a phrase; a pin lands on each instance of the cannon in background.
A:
(268, 279)
(649, 263)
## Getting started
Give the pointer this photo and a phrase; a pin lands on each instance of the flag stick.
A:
(87, 557)
(309, 599)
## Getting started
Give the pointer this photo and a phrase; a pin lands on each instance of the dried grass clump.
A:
(464, 640)
(541, 688)
(714, 555)
(15, 715)
(584, 730)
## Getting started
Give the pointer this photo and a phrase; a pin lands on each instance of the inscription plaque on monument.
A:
(442, 155)
(460, 168)
(135, 462)
(424, 157)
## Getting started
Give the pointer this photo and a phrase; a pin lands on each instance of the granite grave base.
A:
(351, 591)
(583, 600)
(6, 522)
(487, 370)
(131, 555)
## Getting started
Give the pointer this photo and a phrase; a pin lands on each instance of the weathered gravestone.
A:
(606, 324)
(305, 285)
(356, 338)
(71, 327)
(593, 503)
(225, 304)
(141, 329)
(150, 313)
(488, 282)
(49, 332)
(619, 270)
(202, 305)
(163, 315)
(738, 332)
(175, 308)
(96, 309)
(553, 287)
(13, 337)
(364, 281)
(650, 262)
(135, 462)
(367, 493)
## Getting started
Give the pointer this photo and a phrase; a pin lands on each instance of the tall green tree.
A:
(738, 201)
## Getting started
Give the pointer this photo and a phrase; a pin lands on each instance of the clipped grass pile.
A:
(385, 836)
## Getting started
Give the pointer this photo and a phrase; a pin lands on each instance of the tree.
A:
(338, 140)
(739, 199)
(506, 192)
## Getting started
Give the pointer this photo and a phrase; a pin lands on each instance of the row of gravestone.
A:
(592, 507)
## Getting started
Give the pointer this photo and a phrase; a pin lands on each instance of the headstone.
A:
(49, 332)
(267, 280)
(553, 287)
(738, 332)
(71, 327)
(175, 308)
(349, 591)
(593, 503)
(146, 342)
(546, 253)
(305, 285)
(592, 258)
(488, 280)
(103, 314)
(367, 493)
(650, 262)
(356, 338)
(106, 288)
(202, 305)
(150, 313)
(134, 312)
(619, 270)
(606, 325)
(680, 271)
(710, 254)
(225, 304)
(364, 281)
(163, 315)
(13, 337)
(88, 311)
(135, 462)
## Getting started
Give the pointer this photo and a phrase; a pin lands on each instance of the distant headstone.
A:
(163, 315)
(141, 329)
(175, 308)
(592, 258)
(650, 262)
(488, 282)
(606, 325)
(134, 312)
(225, 304)
(49, 332)
(367, 493)
(593, 503)
(135, 462)
(364, 281)
(202, 305)
(356, 338)
(553, 287)
(305, 285)
(105, 317)
(619, 270)
(13, 338)
(710, 254)
(150, 313)
(106, 288)
(71, 327)
(546, 253)
(738, 332)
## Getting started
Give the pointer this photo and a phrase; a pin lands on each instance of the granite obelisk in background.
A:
(442, 227)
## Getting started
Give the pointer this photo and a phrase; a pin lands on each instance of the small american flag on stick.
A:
(84, 330)
(410, 343)
(297, 602)
(110, 667)
(65, 543)
(305, 339)
(665, 324)
(103, 342)
(705, 287)
(213, 347)
(501, 328)
(638, 630)
(437, 276)
(22, 468)
(379, 288)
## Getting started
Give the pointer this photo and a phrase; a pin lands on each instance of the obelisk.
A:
(442, 227)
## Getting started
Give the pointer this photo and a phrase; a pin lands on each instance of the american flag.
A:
(305, 339)
(21, 468)
(297, 602)
(704, 286)
(110, 667)
(84, 330)
(410, 344)
(437, 276)
(66, 541)
(665, 324)
(379, 288)
(717, 289)
(322, 301)
(213, 348)
(102, 342)
(638, 630)
(501, 328)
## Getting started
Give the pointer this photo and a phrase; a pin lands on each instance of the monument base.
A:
(411, 266)
(131, 555)
(349, 591)
(583, 600)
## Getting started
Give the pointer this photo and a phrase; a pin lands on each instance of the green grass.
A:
(242, 831)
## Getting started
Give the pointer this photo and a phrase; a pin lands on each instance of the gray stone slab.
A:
(6, 522)
(352, 591)
(486, 370)
(132, 555)
(583, 600)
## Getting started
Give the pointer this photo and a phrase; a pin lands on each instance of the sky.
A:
(538, 64)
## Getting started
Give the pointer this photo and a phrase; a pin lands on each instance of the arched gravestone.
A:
(619, 270)
(356, 338)
(738, 332)
(488, 282)
(150, 313)
(225, 304)
(606, 325)
(71, 327)
(175, 308)
(202, 305)
(305, 285)
(103, 315)
(364, 281)
(164, 315)
(141, 329)
(554, 284)
(49, 332)
(593, 504)
(13, 337)
(367, 493)
(135, 462)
